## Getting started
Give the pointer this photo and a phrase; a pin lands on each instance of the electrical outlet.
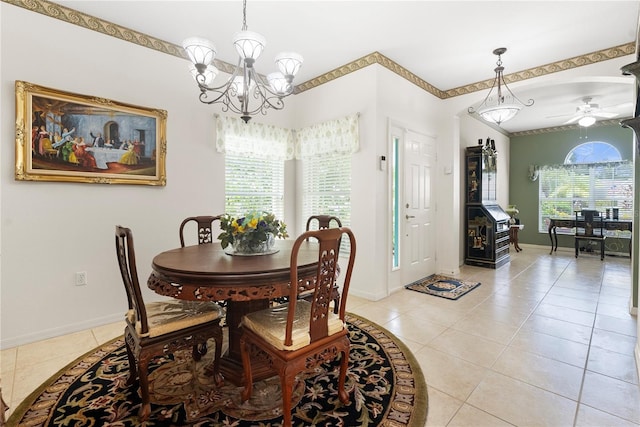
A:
(81, 278)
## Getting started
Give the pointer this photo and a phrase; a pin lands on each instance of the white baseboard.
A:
(450, 271)
(59, 331)
(637, 353)
(367, 295)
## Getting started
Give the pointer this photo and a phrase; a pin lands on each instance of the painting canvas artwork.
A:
(62, 136)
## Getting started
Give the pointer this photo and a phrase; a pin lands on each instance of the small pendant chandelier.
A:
(244, 83)
(500, 106)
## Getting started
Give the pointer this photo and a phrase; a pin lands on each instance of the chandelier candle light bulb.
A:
(243, 84)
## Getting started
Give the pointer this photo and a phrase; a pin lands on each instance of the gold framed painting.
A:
(62, 136)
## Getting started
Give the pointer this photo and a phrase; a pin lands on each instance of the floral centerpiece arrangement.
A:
(253, 233)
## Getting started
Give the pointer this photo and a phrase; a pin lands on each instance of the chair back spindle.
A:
(204, 230)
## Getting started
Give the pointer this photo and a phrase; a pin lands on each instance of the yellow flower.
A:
(253, 223)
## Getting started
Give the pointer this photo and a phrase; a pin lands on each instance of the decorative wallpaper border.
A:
(72, 16)
(599, 123)
(75, 17)
(365, 61)
(554, 67)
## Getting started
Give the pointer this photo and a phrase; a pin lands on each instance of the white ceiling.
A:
(446, 43)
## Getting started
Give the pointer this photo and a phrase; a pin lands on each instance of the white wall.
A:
(411, 108)
(338, 98)
(52, 230)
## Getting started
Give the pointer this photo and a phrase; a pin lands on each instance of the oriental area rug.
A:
(442, 286)
(385, 384)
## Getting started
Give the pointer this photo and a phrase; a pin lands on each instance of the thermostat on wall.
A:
(383, 163)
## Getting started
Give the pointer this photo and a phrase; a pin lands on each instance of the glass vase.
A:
(250, 245)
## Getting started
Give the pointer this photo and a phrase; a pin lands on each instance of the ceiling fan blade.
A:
(604, 114)
(622, 106)
(573, 119)
(559, 115)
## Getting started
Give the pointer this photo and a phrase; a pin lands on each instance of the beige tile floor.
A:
(544, 341)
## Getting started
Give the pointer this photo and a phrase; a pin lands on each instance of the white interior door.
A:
(418, 237)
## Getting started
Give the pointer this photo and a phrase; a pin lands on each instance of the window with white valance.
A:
(254, 165)
(325, 150)
(234, 136)
(340, 136)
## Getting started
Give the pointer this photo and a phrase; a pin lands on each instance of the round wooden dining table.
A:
(208, 273)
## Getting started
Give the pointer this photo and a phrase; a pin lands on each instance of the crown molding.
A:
(72, 16)
(610, 122)
(365, 61)
(554, 67)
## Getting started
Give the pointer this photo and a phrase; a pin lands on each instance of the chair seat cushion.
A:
(172, 315)
(271, 323)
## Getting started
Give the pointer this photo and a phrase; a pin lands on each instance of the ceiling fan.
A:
(588, 113)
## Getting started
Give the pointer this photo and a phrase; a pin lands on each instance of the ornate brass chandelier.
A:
(503, 105)
(244, 83)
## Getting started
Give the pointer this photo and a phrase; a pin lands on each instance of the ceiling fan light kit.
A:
(244, 83)
(588, 113)
(586, 121)
(502, 105)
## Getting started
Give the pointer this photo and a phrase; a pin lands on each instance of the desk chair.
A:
(162, 327)
(593, 230)
(299, 335)
(205, 228)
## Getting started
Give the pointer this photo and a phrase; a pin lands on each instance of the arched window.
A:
(593, 152)
(593, 176)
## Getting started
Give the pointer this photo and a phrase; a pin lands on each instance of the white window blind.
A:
(326, 149)
(564, 189)
(254, 184)
(326, 184)
(254, 165)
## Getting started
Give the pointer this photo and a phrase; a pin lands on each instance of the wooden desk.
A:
(609, 224)
(207, 273)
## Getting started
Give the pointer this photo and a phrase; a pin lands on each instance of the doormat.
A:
(442, 286)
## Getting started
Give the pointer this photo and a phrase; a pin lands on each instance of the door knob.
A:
(410, 216)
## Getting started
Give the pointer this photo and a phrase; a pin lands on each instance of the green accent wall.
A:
(551, 149)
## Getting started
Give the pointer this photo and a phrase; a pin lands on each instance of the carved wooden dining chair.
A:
(161, 328)
(299, 335)
(205, 236)
(205, 228)
(320, 222)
